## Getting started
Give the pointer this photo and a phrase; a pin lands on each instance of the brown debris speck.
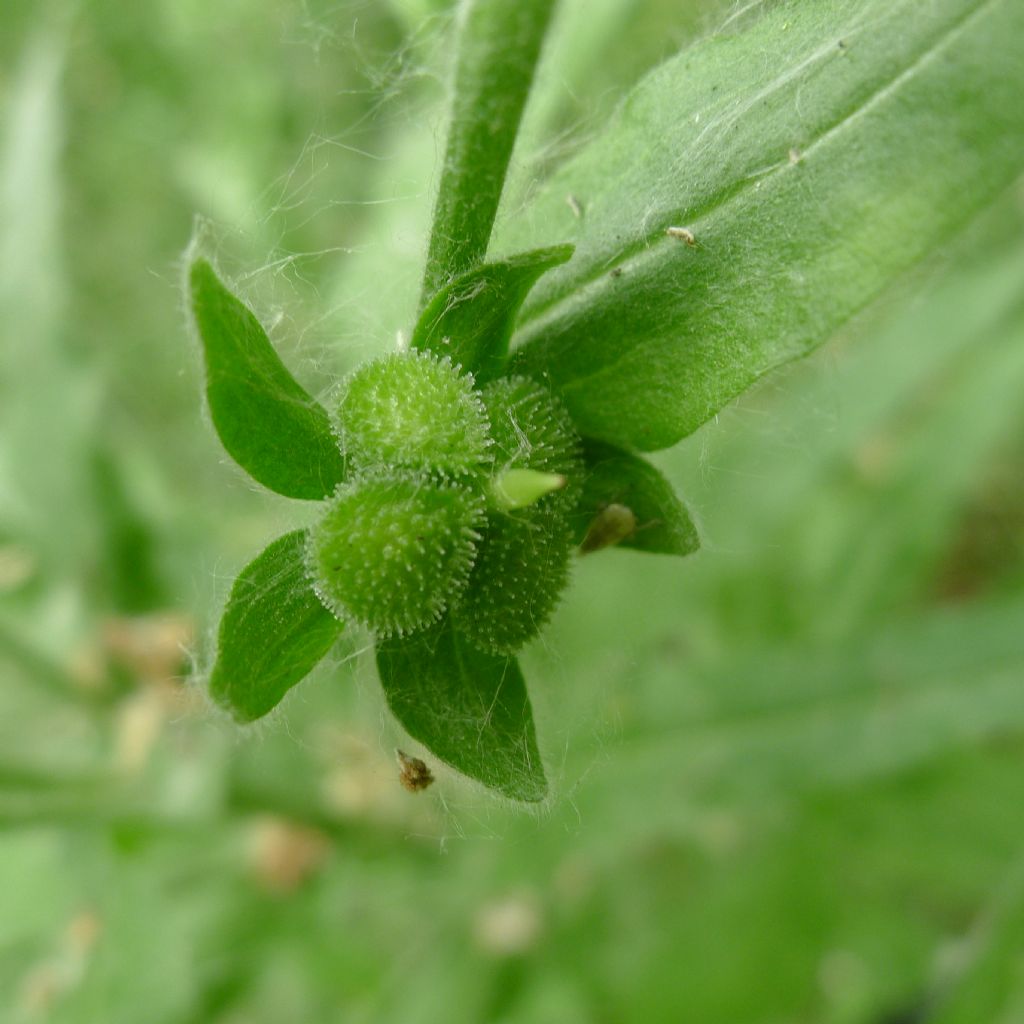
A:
(413, 773)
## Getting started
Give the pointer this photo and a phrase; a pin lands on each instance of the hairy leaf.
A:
(471, 319)
(615, 477)
(271, 427)
(803, 163)
(469, 708)
(499, 43)
(273, 632)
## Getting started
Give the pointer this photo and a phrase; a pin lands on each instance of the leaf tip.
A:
(558, 254)
(201, 276)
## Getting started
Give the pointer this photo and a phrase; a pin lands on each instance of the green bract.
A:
(273, 633)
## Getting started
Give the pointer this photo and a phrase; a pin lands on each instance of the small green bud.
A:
(392, 552)
(415, 411)
(517, 488)
(522, 566)
(612, 525)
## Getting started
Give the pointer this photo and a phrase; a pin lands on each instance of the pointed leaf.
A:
(471, 319)
(468, 708)
(268, 423)
(273, 632)
(614, 476)
(740, 209)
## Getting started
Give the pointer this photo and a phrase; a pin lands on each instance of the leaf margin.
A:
(247, 375)
(314, 627)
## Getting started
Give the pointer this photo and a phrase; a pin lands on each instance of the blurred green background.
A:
(787, 771)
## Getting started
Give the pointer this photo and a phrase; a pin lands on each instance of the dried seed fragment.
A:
(413, 773)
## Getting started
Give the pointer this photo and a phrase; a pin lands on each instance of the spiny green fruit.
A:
(412, 410)
(522, 566)
(520, 573)
(392, 552)
(531, 429)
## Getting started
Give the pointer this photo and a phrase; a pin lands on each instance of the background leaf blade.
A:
(808, 181)
(469, 708)
(266, 420)
(273, 632)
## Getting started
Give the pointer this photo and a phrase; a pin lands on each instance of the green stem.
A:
(499, 42)
(44, 672)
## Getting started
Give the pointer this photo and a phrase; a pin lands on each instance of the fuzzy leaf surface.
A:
(278, 433)
(471, 319)
(663, 525)
(469, 708)
(273, 632)
(814, 156)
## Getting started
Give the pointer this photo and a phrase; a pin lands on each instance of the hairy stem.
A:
(499, 42)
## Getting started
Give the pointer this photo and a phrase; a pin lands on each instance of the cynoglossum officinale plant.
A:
(663, 268)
